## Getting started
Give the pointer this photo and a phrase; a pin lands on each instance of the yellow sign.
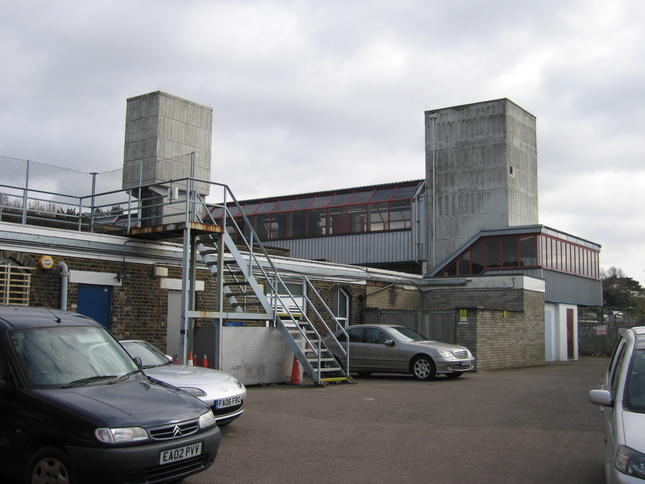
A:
(463, 314)
(46, 262)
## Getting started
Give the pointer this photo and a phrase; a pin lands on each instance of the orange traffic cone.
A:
(205, 362)
(194, 360)
(189, 361)
(295, 372)
(175, 361)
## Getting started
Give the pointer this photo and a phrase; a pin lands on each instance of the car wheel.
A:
(423, 368)
(453, 375)
(50, 465)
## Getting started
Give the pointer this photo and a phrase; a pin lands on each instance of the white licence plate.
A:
(180, 453)
(228, 402)
(465, 363)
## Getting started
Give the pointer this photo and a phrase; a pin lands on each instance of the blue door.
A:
(95, 302)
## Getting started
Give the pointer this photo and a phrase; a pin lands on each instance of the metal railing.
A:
(28, 199)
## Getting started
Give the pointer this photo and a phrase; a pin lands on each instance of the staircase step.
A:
(334, 378)
(322, 359)
(209, 252)
(330, 369)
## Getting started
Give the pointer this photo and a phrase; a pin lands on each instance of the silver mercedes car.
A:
(389, 348)
(622, 398)
(221, 391)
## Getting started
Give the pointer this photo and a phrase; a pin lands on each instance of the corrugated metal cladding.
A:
(569, 288)
(381, 247)
(565, 288)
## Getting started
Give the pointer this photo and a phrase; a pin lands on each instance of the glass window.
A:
(636, 383)
(584, 262)
(552, 253)
(90, 353)
(614, 376)
(477, 258)
(509, 252)
(492, 252)
(355, 335)
(404, 192)
(376, 336)
(279, 225)
(217, 213)
(341, 198)
(316, 223)
(287, 288)
(298, 223)
(241, 226)
(284, 205)
(559, 254)
(321, 201)
(463, 267)
(546, 252)
(361, 197)
(266, 207)
(382, 194)
(261, 226)
(357, 218)
(302, 203)
(451, 270)
(337, 221)
(400, 215)
(378, 216)
(250, 208)
(234, 210)
(341, 306)
(528, 248)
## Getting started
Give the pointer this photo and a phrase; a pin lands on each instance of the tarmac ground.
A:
(530, 425)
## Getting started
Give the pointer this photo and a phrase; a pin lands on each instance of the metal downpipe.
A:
(64, 273)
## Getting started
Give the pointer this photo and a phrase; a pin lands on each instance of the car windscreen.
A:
(150, 355)
(407, 334)
(64, 356)
(635, 389)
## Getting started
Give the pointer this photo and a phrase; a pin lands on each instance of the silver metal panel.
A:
(381, 247)
(562, 287)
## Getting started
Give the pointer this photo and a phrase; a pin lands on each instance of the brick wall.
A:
(139, 305)
(503, 327)
(393, 296)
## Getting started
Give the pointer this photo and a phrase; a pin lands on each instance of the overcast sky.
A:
(323, 94)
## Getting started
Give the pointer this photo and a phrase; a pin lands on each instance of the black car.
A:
(75, 406)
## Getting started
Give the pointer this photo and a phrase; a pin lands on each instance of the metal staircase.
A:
(255, 290)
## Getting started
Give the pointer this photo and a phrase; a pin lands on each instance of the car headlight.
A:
(238, 383)
(121, 435)
(198, 392)
(631, 462)
(446, 354)
(206, 420)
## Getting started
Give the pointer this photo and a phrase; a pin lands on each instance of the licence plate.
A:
(180, 453)
(465, 363)
(228, 402)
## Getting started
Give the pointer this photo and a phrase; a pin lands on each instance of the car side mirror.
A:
(389, 342)
(600, 397)
(138, 361)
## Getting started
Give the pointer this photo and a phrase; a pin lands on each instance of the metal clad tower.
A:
(481, 172)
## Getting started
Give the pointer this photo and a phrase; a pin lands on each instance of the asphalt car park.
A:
(531, 425)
